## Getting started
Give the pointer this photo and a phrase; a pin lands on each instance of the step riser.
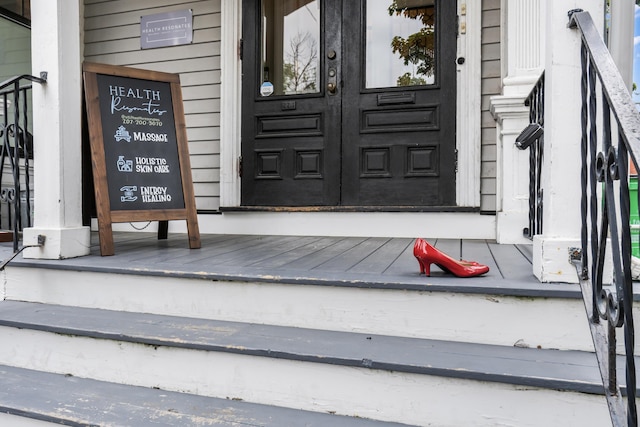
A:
(502, 320)
(18, 421)
(388, 396)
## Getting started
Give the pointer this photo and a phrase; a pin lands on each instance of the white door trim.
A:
(468, 103)
(230, 106)
(468, 138)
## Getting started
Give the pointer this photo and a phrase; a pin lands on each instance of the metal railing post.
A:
(610, 137)
(532, 138)
(16, 150)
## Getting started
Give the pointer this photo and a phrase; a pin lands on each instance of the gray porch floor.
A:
(373, 262)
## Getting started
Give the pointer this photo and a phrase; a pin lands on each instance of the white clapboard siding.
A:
(491, 85)
(112, 36)
(139, 58)
(203, 134)
(200, 120)
(207, 190)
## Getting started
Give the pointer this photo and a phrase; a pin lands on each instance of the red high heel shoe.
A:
(427, 255)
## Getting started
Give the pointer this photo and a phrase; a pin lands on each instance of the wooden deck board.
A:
(386, 256)
(478, 250)
(512, 263)
(325, 254)
(243, 247)
(295, 258)
(384, 263)
(449, 246)
(405, 262)
(353, 256)
(381, 259)
(526, 250)
(210, 249)
(267, 255)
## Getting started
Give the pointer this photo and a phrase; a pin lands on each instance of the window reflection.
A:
(290, 49)
(400, 43)
(19, 7)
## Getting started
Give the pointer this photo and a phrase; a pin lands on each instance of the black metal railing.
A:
(16, 154)
(610, 136)
(533, 139)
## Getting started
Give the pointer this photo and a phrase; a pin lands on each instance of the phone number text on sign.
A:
(140, 121)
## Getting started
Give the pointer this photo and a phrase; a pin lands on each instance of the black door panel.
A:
(349, 126)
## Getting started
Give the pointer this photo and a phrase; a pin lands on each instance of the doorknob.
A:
(332, 84)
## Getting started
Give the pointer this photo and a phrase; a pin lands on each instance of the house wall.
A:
(15, 60)
(15, 50)
(491, 85)
(15, 54)
(112, 36)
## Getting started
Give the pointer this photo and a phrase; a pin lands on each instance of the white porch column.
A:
(522, 55)
(621, 37)
(57, 131)
(231, 82)
(561, 165)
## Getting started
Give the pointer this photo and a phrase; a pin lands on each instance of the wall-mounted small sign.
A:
(166, 29)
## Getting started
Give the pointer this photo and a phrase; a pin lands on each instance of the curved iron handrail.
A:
(610, 136)
(13, 80)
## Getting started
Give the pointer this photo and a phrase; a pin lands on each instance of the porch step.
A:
(59, 399)
(347, 284)
(485, 310)
(393, 379)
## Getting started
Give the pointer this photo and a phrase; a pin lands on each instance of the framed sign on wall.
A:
(139, 152)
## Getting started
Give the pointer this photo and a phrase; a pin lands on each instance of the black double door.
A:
(348, 103)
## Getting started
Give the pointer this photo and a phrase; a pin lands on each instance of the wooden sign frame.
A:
(96, 115)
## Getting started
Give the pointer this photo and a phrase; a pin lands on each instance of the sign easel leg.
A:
(192, 230)
(105, 233)
(163, 230)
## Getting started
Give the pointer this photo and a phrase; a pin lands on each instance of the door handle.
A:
(332, 83)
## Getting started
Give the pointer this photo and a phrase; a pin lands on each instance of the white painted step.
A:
(550, 317)
(34, 399)
(393, 379)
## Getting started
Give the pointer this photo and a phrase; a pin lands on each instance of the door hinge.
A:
(456, 161)
(240, 49)
(240, 166)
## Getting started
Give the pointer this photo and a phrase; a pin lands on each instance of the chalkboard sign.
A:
(139, 150)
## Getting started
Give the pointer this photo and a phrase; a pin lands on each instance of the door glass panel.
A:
(290, 47)
(400, 43)
(19, 7)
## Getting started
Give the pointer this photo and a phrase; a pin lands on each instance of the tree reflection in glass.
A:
(401, 48)
(290, 48)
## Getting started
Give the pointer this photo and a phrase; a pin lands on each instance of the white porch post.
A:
(231, 83)
(621, 37)
(523, 54)
(57, 116)
(561, 165)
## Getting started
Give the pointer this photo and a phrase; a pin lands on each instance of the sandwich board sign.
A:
(139, 152)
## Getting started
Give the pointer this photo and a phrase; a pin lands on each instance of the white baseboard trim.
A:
(434, 225)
